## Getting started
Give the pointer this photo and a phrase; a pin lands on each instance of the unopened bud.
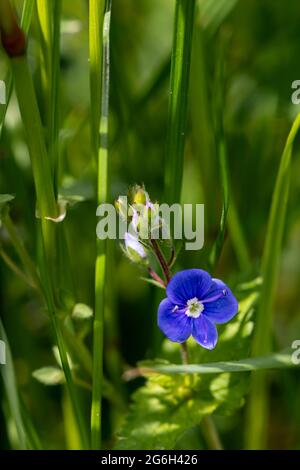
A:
(12, 37)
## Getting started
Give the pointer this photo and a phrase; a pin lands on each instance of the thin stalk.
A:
(22, 252)
(210, 433)
(184, 353)
(11, 390)
(35, 139)
(54, 93)
(99, 28)
(207, 424)
(221, 150)
(161, 259)
(237, 238)
(44, 13)
(156, 277)
(96, 16)
(12, 265)
(179, 86)
(65, 364)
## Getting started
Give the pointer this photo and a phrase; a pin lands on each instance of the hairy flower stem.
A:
(162, 261)
(184, 353)
(156, 277)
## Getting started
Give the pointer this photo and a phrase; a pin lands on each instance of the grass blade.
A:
(26, 17)
(99, 61)
(9, 381)
(54, 93)
(258, 408)
(179, 86)
(275, 361)
(44, 13)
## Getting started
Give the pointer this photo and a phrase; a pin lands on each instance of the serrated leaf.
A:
(82, 312)
(49, 376)
(162, 410)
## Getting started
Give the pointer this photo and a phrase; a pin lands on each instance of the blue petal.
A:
(175, 325)
(223, 309)
(188, 284)
(204, 332)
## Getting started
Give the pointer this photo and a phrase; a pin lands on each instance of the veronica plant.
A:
(195, 301)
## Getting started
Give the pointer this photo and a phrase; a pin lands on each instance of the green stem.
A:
(35, 139)
(22, 252)
(208, 427)
(44, 13)
(161, 259)
(210, 433)
(54, 93)
(238, 238)
(12, 265)
(99, 26)
(47, 209)
(179, 86)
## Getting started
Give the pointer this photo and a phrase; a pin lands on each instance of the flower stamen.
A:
(194, 308)
(218, 296)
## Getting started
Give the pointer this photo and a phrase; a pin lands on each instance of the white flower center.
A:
(194, 308)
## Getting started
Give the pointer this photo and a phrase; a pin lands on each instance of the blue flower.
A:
(195, 302)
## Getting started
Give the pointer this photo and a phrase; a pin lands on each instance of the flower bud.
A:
(122, 207)
(138, 195)
(12, 37)
(134, 249)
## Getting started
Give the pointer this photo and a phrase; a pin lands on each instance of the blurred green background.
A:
(260, 45)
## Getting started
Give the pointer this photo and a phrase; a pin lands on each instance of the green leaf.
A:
(162, 410)
(5, 198)
(178, 102)
(272, 361)
(169, 405)
(11, 390)
(153, 282)
(82, 312)
(49, 376)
